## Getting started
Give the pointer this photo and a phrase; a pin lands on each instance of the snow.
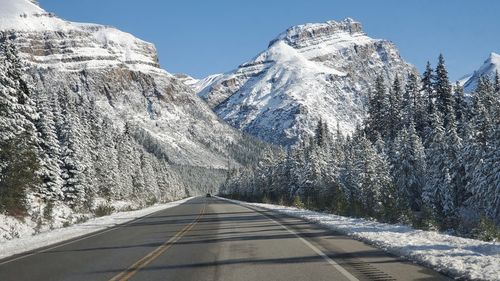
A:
(288, 57)
(28, 243)
(310, 72)
(488, 69)
(201, 84)
(455, 256)
(26, 16)
(92, 45)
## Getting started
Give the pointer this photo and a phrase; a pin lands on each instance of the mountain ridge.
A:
(309, 72)
(120, 127)
(489, 68)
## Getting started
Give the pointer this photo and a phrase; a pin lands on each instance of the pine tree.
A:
(378, 111)
(481, 157)
(395, 105)
(461, 110)
(428, 88)
(409, 169)
(411, 104)
(456, 166)
(18, 141)
(437, 195)
(71, 148)
(442, 86)
(50, 153)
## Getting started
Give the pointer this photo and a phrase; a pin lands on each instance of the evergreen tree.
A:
(50, 153)
(461, 110)
(437, 195)
(442, 87)
(456, 166)
(409, 169)
(412, 109)
(378, 111)
(395, 106)
(18, 141)
(71, 151)
(428, 89)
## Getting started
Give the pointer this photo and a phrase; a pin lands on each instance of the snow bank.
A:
(455, 256)
(24, 244)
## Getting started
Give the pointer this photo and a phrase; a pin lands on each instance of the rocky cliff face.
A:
(309, 72)
(125, 128)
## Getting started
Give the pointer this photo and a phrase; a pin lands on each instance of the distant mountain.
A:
(124, 128)
(309, 72)
(488, 69)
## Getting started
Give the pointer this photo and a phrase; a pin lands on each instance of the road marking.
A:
(99, 232)
(138, 265)
(337, 266)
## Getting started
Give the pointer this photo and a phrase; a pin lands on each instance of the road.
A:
(213, 239)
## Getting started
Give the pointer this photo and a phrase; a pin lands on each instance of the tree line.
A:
(58, 147)
(426, 155)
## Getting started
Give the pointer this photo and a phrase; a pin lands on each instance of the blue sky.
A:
(205, 37)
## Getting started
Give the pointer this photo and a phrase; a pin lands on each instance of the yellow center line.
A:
(134, 268)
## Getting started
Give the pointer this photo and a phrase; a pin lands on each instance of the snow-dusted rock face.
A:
(489, 68)
(308, 72)
(51, 42)
(112, 84)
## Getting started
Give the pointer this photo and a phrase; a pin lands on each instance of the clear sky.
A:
(211, 36)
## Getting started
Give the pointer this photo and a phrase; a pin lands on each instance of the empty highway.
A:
(213, 239)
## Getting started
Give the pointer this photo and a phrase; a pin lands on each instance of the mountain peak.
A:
(489, 68)
(494, 58)
(303, 34)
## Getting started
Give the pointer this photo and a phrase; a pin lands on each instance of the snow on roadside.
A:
(455, 256)
(24, 244)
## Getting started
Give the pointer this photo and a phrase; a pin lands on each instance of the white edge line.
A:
(99, 232)
(337, 266)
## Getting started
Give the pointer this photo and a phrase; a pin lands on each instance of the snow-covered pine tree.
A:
(486, 90)
(456, 165)
(437, 194)
(18, 140)
(365, 190)
(443, 89)
(50, 154)
(410, 103)
(71, 150)
(388, 194)
(378, 111)
(428, 90)
(395, 106)
(461, 110)
(408, 169)
(481, 155)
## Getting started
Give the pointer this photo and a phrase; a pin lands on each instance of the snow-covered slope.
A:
(56, 43)
(488, 69)
(308, 72)
(136, 131)
(198, 84)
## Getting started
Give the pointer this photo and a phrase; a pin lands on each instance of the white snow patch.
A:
(456, 256)
(28, 243)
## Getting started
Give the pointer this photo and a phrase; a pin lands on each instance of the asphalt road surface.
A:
(213, 239)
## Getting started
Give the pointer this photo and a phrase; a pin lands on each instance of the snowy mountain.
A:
(489, 68)
(309, 72)
(121, 127)
(197, 84)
